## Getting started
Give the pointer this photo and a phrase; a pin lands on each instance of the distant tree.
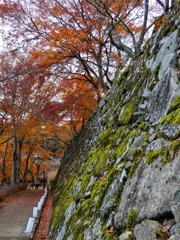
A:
(22, 99)
(35, 111)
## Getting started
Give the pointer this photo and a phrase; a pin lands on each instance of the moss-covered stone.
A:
(169, 152)
(111, 236)
(76, 227)
(123, 77)
(55, 217)
(152, 155)
(84, 184)
(127, 141)
(175, 145)
(141, 126)
(106, 150)
(130, 238)
(100, 187)
(174, 105)
(136, 151)
(128, 112)
(104, 137)
(131, 219)
(173, 118)
(144, 76)
(165, 157)
(155, 78)
(137, 154)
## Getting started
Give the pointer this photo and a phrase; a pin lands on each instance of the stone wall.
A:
(119, 179)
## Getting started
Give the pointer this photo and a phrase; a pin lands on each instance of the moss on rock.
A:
(173, 118)
(131, 219)
(55, 217)
(175, 104)
(152, 155)
(97, 163)
(128, 112)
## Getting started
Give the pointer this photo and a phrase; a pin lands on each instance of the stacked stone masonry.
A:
(119, 179)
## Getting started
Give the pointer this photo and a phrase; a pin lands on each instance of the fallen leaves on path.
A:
(41, 232)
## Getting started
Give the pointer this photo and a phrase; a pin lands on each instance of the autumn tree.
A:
(71, 37)
(35, 111)
(23, 96)
(82, 38)
(129, 21)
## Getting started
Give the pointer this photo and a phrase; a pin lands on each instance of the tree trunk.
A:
(3, 166)
(17, 146)
(14, 162)
(27, 164)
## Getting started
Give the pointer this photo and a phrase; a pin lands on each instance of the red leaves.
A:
(42, 229)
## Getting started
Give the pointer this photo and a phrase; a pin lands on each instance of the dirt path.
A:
(15, 211)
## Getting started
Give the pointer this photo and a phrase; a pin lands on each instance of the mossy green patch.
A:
(111, 236)
(136, 151)
(137, 154)
(152, 155)
(131, 219)
(76, 227)
(169, 152)
(155, 77)
(130, 238)
(122, 78)
(117, 134)
(79, 220)
(128, 112)
(105, 136)
(55, 217)
(145, 140)
(175, 145)
(173, 118)
(143, 77)
(65, 199)
(84, 184)
(111, 135)
(133, 169)
(103, 162)
(91, 160)
(165, 157)
(174, 105)
(101, 158)
(127, 140)
(100, 187)
(141, 126)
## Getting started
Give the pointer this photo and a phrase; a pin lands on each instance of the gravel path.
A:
(15, 211)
